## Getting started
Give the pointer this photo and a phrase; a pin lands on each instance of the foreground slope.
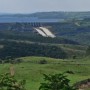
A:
(31, 70)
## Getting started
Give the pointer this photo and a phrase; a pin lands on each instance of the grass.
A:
(32, 71)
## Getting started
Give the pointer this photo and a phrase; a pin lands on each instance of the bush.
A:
(56, 82)
(8, 82)
(70, 72)
(43, 61)
(74, 57)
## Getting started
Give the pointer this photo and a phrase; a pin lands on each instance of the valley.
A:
(44, 44)
(32, 71)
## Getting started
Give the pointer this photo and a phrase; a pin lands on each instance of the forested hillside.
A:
(21, 49)
(77, 30)
(74, 30)
(72, 36)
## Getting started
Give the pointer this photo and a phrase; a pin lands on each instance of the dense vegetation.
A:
(77, 30)
(17, 49)
(8, 82)
(56, 82)
(23, 31)
(67, 32)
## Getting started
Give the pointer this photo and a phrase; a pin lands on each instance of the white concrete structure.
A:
(40, 32)
(47, 32)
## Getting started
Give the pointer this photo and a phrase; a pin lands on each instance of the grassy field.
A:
(32, 71)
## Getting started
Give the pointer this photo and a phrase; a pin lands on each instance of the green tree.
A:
(56, 82)
(8, 82)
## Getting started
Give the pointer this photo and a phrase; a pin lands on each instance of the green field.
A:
(32, 71)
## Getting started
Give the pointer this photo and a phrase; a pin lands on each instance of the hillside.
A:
(74, 30)
(26, 31)
(50, 15)
(32, 71)
(10, 47)
(71, 36)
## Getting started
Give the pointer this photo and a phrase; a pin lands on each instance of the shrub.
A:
(70, 72)
(56, 82)
(74, 57)
(8, 82)
(43, 61)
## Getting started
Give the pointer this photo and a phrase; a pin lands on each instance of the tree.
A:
(56, 82)
(43, 61)
(74, 57)
(8, 82)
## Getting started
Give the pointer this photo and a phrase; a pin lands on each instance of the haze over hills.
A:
(53, 15)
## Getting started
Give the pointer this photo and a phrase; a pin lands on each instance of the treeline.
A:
(33, 37)
(14, 50)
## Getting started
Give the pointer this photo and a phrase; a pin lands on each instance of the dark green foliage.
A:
(31, 36)
(74, 30)
(14, 50)
(43, 61)
(70, 72)
(8, 82)
(56, 82)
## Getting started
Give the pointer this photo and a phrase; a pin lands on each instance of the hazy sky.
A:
(29, 6)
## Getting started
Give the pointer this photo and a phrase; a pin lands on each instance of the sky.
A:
(31, 6)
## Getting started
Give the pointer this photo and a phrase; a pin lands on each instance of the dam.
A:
(29, 24)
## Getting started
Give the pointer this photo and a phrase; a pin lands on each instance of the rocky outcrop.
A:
(82, 85)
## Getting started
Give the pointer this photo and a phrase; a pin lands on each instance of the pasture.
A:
(32, 70)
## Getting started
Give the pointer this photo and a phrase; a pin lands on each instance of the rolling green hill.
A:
(31, 70)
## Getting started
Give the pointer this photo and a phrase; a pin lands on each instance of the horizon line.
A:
(41, 12)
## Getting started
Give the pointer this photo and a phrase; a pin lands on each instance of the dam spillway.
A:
(45, 32)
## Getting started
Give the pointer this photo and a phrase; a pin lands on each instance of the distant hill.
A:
(74, 26)
(61, 15)
(50, 15)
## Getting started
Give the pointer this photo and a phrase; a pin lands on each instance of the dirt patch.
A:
(82, 85)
